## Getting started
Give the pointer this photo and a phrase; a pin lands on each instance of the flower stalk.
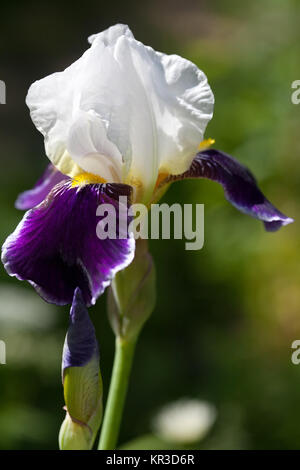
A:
(124, 353)
(131, 300)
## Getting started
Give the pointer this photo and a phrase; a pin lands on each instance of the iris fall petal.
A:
(56, 248)
(239, 185)
(37, 194)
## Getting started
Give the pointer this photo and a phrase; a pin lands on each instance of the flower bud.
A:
(81, 381)
(74, 436)
(131, 297)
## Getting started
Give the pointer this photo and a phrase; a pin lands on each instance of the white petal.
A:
(89, 146)
(136, 110)
(110, 35)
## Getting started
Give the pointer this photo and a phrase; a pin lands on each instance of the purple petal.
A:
(55, 247)
(42, 188)
(239, 185)
(80, 343)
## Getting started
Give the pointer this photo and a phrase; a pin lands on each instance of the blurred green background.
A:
(226, 316)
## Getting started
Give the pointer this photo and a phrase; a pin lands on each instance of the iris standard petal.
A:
(80, 343)
(37, 194)
(239, 185)
(142, 110)
(90, 147)
(56, 248)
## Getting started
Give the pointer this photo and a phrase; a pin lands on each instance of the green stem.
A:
(117, 393)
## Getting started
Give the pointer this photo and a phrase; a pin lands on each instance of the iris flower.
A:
(123, 120)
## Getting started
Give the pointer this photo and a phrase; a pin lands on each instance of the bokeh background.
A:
(226, 316)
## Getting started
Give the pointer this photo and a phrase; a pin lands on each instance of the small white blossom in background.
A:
(185, 421)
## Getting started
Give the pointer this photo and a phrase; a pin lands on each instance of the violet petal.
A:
(55, 247)
(36, 195)
(239, 185)
(80, 343)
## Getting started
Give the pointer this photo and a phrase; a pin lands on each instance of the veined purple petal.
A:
(42, 188)
(55, 247)
(80, 343)
(239, 185)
